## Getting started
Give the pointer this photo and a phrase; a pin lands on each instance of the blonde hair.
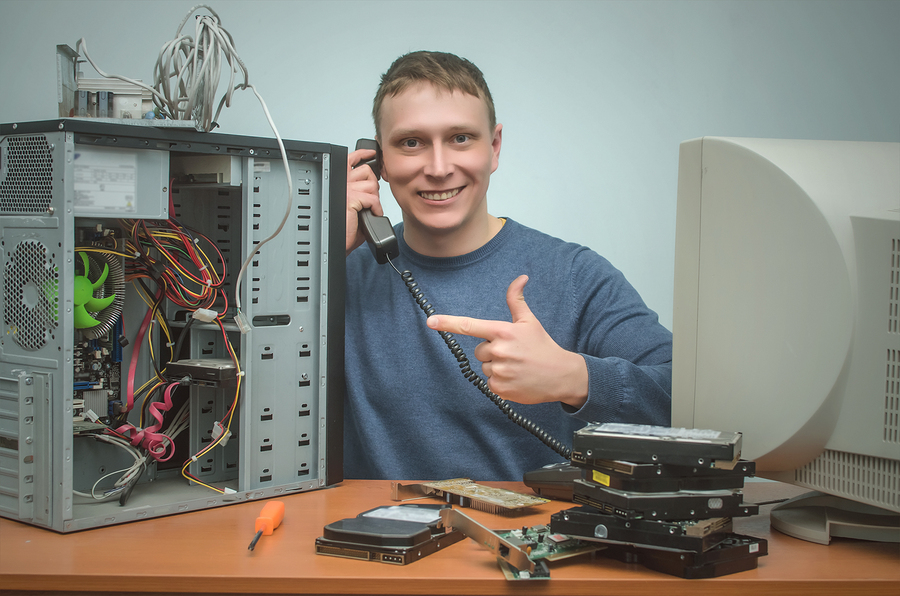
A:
(443, 70)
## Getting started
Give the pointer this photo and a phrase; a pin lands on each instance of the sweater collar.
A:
(447, 263)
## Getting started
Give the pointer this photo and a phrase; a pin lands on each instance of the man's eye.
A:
(410, 143)
(461, 138)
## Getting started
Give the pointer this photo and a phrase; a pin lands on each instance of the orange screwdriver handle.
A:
(270, 517)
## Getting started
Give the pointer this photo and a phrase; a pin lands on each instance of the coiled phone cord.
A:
(473, 377)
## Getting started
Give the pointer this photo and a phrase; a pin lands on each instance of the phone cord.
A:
(476, 380)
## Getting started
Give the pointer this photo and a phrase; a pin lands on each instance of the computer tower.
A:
(97, 204)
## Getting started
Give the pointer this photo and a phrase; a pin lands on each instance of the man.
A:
(558, 322)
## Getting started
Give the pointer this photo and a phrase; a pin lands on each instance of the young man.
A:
(549, 324)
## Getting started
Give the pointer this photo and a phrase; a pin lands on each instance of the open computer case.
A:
(75, 196)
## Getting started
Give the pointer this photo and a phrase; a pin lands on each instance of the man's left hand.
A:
(520, 360)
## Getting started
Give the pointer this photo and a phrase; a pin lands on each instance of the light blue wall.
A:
(595, 96)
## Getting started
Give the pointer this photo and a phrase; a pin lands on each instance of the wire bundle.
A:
(171, 255)
(159, 446)
(175, 259)
(188, 69)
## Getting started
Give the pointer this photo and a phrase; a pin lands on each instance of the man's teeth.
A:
(439, 196)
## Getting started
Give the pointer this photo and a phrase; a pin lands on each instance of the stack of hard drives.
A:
(663, 497)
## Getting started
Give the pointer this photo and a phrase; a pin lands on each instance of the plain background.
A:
(594, 96)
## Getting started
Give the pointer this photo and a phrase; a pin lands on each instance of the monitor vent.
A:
(862, 478)
(26, 184)
(31, 294)
(894, 300)
(892, 398)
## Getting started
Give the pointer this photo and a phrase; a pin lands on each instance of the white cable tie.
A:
(208, 283)
(170, 344)
(202, 269)
(196, 241)
(240, 374)
(194, 458)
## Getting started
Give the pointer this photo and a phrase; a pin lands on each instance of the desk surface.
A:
(207, 552)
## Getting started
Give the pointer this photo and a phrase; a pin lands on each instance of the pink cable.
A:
(148, 438)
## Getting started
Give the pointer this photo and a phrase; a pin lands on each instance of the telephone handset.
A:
(378, 231)
(383, 243)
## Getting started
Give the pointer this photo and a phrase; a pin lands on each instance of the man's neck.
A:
(452, 243)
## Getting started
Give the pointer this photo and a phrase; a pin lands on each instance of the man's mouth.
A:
(441, 195)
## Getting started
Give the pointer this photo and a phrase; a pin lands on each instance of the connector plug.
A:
(205, 315)
(242, 323)
(217, 431)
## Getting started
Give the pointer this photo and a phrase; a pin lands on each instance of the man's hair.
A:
(445, 71)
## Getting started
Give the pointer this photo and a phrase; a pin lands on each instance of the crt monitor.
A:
(787, 318)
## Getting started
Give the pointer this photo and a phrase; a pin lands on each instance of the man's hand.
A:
(521, 361)
(362, 193)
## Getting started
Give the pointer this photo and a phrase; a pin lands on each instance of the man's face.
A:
(439, 152)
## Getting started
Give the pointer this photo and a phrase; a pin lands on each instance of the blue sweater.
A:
(409, 412)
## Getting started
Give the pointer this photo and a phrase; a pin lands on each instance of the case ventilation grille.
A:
(31, 295)
(894, 299)
(863, 478)
(892, 398)
(892, 377)
(27, 184)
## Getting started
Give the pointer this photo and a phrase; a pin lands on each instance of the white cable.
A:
(287, 213)
(187, 70)
(127, 473)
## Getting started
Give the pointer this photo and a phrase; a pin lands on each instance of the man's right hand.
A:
(362, 193)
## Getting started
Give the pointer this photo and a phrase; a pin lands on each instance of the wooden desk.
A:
(206, 552)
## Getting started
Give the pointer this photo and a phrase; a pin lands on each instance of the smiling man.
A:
(549, 324)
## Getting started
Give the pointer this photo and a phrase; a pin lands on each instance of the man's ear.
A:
(384, 175)
(496, 141)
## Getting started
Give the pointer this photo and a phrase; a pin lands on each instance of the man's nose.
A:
(438, 165)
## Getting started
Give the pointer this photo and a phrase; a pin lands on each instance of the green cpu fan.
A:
(85, 302)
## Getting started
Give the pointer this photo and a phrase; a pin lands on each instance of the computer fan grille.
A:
(26, 184)
(31, 294)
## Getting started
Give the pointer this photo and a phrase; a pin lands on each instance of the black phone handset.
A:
(383, 243)
(378, 230)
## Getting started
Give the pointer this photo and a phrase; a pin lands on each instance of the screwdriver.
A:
(269, 518)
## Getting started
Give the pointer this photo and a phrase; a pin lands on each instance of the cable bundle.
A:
(188, 69)
(172, 256)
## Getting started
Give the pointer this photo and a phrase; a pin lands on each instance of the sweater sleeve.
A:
(627, 351)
